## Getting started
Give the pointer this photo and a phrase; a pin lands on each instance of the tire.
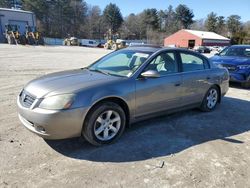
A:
(106, 46)
(115, 47)
(210, 100)
(22, 40)
(97, 124)
(31, 40)
(41, 41)
(245, 85)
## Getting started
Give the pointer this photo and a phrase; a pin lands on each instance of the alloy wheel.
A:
(212, 98)
(107, 125)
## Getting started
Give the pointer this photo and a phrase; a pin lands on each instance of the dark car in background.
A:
(236, 59)
(202, 49)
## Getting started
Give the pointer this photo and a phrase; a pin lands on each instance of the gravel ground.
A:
(186, 149)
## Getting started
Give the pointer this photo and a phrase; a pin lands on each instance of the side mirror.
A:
(150, 74)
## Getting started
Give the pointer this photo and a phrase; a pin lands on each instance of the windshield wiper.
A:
(100, 71)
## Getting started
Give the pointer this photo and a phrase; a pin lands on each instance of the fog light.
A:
(39, 128)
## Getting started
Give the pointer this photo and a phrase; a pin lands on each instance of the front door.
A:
(162, 93)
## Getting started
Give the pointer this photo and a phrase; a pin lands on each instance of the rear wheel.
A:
(210, 100)
(104, 124)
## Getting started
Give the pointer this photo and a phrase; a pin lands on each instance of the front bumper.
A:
(52, 124)
(239, 77)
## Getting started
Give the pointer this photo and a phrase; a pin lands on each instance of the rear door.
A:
(195, 77)
(162, 93)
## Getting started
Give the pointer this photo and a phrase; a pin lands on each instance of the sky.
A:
(201, 8)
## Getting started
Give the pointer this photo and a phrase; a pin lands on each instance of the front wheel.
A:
(210, 100)
(104, 124)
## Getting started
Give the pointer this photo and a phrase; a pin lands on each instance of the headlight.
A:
(57, 102)
(243, 66)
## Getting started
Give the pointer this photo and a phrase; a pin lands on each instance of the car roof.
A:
(154, 48)
(145, 48)
(242, 46)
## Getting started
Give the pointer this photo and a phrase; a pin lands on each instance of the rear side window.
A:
(192, 62)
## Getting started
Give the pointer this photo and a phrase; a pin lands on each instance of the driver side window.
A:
(165, 63)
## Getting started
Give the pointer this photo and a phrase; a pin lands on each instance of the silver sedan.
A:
(126, 86)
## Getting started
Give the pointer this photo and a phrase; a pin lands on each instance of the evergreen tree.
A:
(184, 15)
(113, 17)
(211, 22)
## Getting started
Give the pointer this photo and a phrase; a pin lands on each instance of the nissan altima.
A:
(123, 87)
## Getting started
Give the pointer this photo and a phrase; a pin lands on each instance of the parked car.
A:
(202, 49)
(88, 43)
(124, 87)
(236, 59)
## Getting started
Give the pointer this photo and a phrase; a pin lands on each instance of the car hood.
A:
(232, 60)
(66, 82)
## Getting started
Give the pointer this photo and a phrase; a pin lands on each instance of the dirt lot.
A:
(187, 149)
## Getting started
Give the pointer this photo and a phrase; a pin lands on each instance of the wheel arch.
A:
(219, 90)
(116, 100)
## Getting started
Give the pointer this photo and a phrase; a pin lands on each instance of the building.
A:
(189, 38)
(15, 17)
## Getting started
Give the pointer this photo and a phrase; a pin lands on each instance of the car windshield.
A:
(120, 63)
(236, 51)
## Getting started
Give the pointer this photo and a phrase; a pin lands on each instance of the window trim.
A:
(196, 55)
(159, 53)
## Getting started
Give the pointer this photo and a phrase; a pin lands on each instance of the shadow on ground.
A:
(165, 135)
(237, 86)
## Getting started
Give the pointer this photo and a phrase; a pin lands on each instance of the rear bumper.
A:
(52, 124)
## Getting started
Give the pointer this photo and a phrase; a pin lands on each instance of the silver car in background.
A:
(126, 86)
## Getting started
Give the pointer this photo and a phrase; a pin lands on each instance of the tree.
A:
(113, 17)
(233, 24)
(162, 20)
(94, 25)
(211, 22)
(42, 12)
(132, 27)
(198, 25)
(170, 20)
(246, 29)
(150, 18)
(57, 18)
(235, 29)
(5, 3)
(10, 3)
(221, 26)
(184, 16)
(79, 15)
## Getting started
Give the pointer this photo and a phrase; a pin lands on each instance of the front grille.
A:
(26, 99)
(230, 68)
